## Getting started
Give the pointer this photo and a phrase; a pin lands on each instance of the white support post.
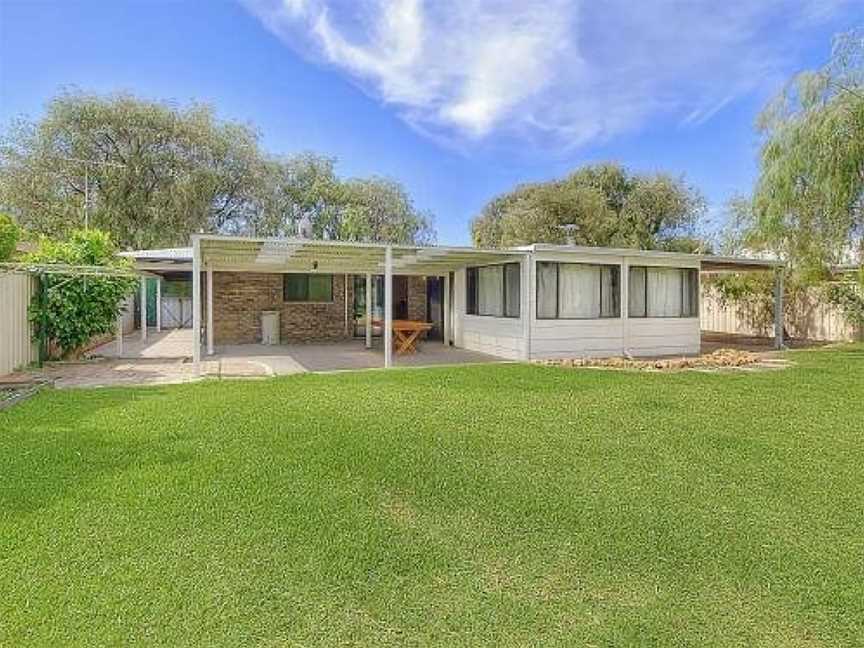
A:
(143, 308)
(368, 311)
(624, 282)
(158, 304)
(388, 307)
(778, 309)
(527, 286)
(446, 289)
(209, 311)
(120, 333)
(196, 304)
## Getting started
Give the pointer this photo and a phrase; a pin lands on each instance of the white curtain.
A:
(578, 291)
(690, 306)
(490, 291)
(512, 285)
(664, 292)
(636, 292)
(547, 290)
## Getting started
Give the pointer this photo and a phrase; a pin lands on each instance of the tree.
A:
(306, 187)
(303, 186)
(9, 235)
(598, 205)
(153, 172)
(378, 209)
(808, 205)
(71, 308)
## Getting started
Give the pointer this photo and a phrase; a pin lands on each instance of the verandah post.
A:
(368, 311)
(196, 304)
(388, 307)
(778, 308)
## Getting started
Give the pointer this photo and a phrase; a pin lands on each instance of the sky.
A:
(459, 101)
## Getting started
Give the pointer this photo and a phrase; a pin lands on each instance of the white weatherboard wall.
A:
(582, 338)
(499, 336)
(16, 344)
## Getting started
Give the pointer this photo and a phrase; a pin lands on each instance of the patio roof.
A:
(305, 255)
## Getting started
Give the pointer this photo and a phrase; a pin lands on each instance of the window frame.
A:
(684, 271)
(306, 300)
(558, 264)
(472, 289)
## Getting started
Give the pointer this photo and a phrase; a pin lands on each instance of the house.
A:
(525, 303)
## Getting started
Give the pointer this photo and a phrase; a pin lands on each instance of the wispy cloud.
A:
(562, 71)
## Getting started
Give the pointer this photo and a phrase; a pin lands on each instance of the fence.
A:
(812, 319)
(17, 346)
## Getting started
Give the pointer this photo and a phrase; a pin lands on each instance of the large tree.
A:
(808, 205)
(305, 187)
(153, 172)
(601, 205)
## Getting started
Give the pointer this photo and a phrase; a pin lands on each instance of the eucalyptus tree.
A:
(148, 172)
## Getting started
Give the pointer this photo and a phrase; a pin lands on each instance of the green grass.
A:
(489, 505)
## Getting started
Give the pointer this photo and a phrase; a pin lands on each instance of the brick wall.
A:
(239, 298)
(417, 298)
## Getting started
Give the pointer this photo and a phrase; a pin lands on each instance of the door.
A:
(435, 307)
(400, 302)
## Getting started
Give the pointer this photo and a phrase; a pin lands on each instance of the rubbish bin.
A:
(270, 327)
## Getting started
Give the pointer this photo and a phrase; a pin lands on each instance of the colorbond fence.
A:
(17, 348)
(813, 320)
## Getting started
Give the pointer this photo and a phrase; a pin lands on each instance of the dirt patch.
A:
(721, 359)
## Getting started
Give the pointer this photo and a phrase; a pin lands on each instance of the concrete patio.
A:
(165, 357)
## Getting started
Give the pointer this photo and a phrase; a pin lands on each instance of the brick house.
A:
(531, 302)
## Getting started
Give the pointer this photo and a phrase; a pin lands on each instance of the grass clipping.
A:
(719, 359)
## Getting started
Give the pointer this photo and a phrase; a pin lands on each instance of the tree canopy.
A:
(152, 173)
(305, 187)
(9, 235)
(597, 205)
(809, 200)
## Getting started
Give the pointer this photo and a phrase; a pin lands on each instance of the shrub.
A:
(71, 308)
(9, 235)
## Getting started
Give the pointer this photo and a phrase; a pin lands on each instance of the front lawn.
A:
(486, 505)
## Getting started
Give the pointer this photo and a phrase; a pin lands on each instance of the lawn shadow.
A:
(55, 444)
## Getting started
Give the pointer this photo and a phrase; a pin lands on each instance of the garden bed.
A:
(719, 359)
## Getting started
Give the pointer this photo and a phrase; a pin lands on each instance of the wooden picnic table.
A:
(406, 334)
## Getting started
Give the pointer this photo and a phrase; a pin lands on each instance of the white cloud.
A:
(561, 71)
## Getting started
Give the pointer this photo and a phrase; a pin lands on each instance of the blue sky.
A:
(459, 101)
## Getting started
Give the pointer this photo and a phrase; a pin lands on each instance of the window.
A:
(578, 291)
(494, 290)
(664, 292)
(307, 287)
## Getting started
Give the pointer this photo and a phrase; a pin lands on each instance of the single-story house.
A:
(532, 302)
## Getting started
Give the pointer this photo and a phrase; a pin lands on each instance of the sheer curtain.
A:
(690, 306)
(664, 292)
(490, 297)
(512, 285)
(547, 290)
(578, 291)
(636, 292)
